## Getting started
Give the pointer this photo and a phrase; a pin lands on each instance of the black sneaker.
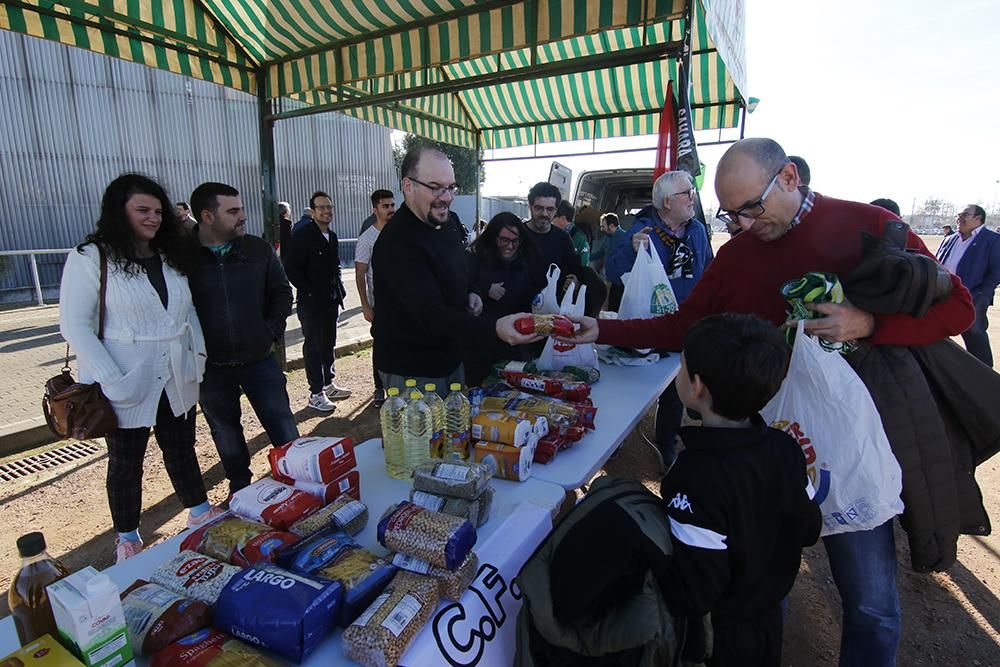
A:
(378, 398)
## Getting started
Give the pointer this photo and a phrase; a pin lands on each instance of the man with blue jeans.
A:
(789, 230)
(682, 246)
(243, 299)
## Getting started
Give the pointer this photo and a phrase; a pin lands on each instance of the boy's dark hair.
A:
(316, 195)
(565, 209)
(205, 197)
(887, 204)
(543, 189)
(611, 219)
(379, 195)
(741, 359)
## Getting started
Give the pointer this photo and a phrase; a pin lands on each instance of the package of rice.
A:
(211, 648)
(238, 541)
(380, 636)
(281, 611)
(437, 538)
(364, 576)
(458, 479)
(346, 513)
(195, 576)
(157, 617)
(349, 483)
(274, 503)
(477, 511)
(315, 551)
(452, 583)
(312, 459)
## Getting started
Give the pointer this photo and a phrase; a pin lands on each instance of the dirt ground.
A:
(951, 618)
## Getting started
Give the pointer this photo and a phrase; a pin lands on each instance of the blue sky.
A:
(883, 98)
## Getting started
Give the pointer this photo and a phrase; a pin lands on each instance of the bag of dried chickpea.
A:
(380, 636)
(440, 539)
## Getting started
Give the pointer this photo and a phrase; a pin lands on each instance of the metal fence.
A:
(74, 120)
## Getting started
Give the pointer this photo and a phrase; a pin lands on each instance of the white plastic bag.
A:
(647, 290)
(556, 355)
(546, 302)
(827, 409)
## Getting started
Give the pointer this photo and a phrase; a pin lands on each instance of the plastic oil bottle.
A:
(391, 416)
(411, 386)
(436, 405)
(28, 600)
(458, 420)
(417, 433)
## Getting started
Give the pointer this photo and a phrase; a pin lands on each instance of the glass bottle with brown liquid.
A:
(29, 603)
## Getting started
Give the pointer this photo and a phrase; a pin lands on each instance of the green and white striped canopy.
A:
(507, 73)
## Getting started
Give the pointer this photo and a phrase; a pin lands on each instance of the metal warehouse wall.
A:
(73, 121)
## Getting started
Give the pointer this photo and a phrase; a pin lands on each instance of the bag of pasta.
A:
(211, 648)
(238, 541)
(363, 575)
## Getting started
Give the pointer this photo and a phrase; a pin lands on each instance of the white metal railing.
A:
(63, 251)
(34, 265)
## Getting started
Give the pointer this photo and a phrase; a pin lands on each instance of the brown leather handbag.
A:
(74, 410)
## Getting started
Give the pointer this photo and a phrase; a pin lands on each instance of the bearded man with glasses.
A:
(791, 230)
(426, 314)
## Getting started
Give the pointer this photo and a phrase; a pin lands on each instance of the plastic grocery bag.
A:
(827, 409)
(546, 302)
(556, 355)
(647, 290)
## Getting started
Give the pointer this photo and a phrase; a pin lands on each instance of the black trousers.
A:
(126, 451)
(752, 642)
(319, 334)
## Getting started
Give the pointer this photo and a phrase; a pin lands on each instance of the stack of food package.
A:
(323, 467)
(561, 398)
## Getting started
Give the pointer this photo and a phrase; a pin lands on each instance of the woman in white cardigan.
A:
(152, 355)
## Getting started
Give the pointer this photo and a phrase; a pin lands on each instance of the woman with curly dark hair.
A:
(150, 356)
(507, 272)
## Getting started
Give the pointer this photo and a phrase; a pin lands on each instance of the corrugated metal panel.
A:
(74, 120)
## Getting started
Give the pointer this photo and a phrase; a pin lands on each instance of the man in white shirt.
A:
(383, 207)
(973, 254)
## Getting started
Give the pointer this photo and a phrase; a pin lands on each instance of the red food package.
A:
(569, 390)
(586, 412)
(544, 325)
(547, 447)
(346, 483)
(271, 502)
(312, 459)
(208, 648)
(573, 434)
(238, 541)
(157, 617)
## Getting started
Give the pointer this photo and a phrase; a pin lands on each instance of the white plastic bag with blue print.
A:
(827, 409)
(546, 302)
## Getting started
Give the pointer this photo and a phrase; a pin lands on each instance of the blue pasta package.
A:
(316, 551)
(282, 611)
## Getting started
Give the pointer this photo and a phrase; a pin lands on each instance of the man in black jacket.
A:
(424, 310)
(313, 266)
(243, 299)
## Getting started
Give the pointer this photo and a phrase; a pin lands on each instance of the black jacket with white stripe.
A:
(741, 509)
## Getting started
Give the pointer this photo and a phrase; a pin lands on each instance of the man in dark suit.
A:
(313, 266)
(973, 254)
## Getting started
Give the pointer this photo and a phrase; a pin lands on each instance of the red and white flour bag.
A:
(311, 459)
(346, 483)
(274, 503)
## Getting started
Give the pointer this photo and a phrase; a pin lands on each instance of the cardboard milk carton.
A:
(90, 619)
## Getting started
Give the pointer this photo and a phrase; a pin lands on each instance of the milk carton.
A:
(89, 616)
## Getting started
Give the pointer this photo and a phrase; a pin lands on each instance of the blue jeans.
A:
(264, 384)
(669, 413)
(864, 568)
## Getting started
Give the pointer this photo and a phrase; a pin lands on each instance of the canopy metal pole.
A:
(268, 179)
(479, 174)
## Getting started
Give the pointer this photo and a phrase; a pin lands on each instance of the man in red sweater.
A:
(791, 231)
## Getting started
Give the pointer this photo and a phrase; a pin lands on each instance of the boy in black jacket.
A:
(739, 500)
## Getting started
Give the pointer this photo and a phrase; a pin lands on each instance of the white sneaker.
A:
(335, 392)
(125, 549)
(321, 402)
